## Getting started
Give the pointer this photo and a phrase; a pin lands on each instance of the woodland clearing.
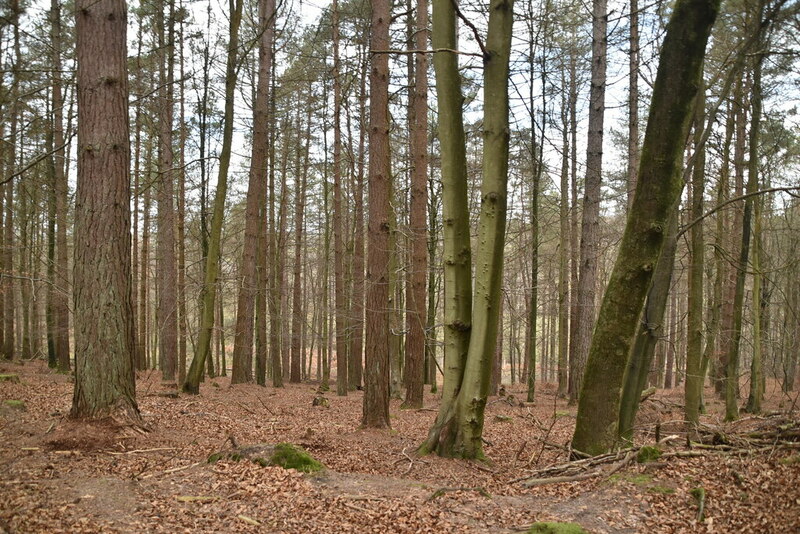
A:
(60, 475)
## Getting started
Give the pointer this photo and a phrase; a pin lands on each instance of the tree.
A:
(104, 330)
(256, 200)
(376, 369)
(458, 429)
(340, 292)
(658, 187)
(166, 280)
(590, 218)
(202, 349)
(416, 316)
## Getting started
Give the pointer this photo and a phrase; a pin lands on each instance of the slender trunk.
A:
(416, 316)
(732, 368)
(202, 349)
(590, 223)
(340, 298)
(693, 386)
(248, 289)
(166, 274)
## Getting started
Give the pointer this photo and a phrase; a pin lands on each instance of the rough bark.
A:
(590, 218)
(658, 187)
(166, 278)
(104, 332)
(416, 316)
(255, 202)
(375, 411)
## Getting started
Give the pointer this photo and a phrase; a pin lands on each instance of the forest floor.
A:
(59, 475)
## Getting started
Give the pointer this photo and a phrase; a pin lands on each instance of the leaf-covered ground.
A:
(59, 475)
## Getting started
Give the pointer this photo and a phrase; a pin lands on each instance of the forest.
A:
(503, 266)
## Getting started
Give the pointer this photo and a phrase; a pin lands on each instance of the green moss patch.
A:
(549, 527)
(15, 404)
(290, 456)
(648, 454)
(661, 490)
(14, 379)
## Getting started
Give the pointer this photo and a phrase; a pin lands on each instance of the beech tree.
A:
(104, 330)
(659, 185)
(458, 429)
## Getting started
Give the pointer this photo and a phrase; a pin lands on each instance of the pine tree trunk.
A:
(104, 330)
(590, 222)
(375, 411)
(249, 287)
(416, 316)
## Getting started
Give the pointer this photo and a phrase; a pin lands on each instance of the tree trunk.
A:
(658, 188)
(376, 370)
(416, 316)
(458, 432)
(693, 387)
(249, 287)
(732, 368)
(202, 349)
(590, 222)
(104, 331)
(167, 313)
(340, 292)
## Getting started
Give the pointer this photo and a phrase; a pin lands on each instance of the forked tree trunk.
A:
(104, 331)
(658, 187)
(457, 256)
(458, 432)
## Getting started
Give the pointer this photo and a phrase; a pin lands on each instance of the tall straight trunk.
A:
(728, 328)
(375, 411)
(181, 212)
(11, 162)
(563, 250)
(590, 222)
(457, 255)
(340, 293)
(416, 316)
(104, 331)
(756, 372)
(144, 287)
(537, 165)
(433, 290)
(202, 349)
(166, 274)
(256, 190)
(693, 386)
(357, 339)
(281, 280)
(459, 431)
(658, 188)
(711, 354)
(574, 242)
(633, 100)
(61, 295)
(298, 306)
(732, 368)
